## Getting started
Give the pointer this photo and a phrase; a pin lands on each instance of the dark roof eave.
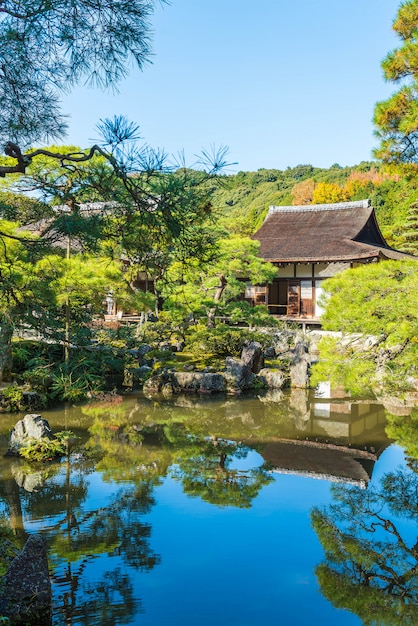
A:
(328, 259)
(375, 253)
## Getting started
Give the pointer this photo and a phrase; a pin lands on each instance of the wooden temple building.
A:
(311, 243)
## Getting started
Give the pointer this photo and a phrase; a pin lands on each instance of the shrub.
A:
(221, 341)
(44, 449)
(12, 398)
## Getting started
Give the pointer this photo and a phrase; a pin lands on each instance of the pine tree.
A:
(411, 231)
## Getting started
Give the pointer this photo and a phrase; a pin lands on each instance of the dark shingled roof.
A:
(323, 232)
(320, 460)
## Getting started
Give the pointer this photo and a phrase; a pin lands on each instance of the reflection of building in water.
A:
(335, 420)
(319, 460)
(329, 437)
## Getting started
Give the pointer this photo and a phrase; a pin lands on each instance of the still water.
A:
(275, 510)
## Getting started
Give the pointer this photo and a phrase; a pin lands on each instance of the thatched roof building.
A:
(347, 231)
(313, 242)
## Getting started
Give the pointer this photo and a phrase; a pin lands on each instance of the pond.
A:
(282, 509)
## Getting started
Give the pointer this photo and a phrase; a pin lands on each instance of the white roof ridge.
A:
(338, 206)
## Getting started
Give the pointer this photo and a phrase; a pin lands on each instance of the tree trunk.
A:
(6, 333)
(216, 298)
(10, 493)
(67, 312)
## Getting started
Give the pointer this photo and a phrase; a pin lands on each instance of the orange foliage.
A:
(302, 193)
(373, 176)
(365, 181)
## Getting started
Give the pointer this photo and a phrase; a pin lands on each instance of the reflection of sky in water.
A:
(233, 566)
(219, 564)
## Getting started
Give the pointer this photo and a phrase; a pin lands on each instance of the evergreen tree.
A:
(396, 119)
(48, 47)
(411, 231)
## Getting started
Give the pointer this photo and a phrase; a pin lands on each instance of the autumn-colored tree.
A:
(302, 193)
(328, 193)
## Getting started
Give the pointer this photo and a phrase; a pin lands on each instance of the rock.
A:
(283, 341)
(200, 382)
(212, 383)
(238, 376)
(134, 377)
(301, 412)
(141, 352)
(299, 365)
(32, 426)
(252, 356)
(188, 381)
(167, 390)
(155, 383)
(30, 482)
(270, 352)
(273, 378)
(26, 594)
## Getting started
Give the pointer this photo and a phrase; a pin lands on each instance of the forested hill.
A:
(242, 199)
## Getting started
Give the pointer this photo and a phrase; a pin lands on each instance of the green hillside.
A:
(241, 200)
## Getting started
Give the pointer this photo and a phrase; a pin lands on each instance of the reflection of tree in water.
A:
(113, 530)
(89, 589)
(107, 601)
(371, 565)
(203, 465)
(404, 429)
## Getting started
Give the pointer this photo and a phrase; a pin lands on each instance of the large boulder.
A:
(26, 596)
(300, 363)
(273, 378)
(238, 377)
(157, 383)
(32, 426)
(199, 382)
(188, 381)
(212, 383)
(252, 356)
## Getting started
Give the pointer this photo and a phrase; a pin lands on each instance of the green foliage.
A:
(379, 301)
(29, 354)
(404, 430)
(32, 81)
(410, 233)
(170, 327)
(396, 118)
(121, 338)
(16, 207)
(8, 549)
(198, 287)
(370, 556)
(44, 449)
(220, 341)
(253, 316)
(12, 398)
(42, 367)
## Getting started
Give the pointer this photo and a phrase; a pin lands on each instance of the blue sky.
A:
(280, 82)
